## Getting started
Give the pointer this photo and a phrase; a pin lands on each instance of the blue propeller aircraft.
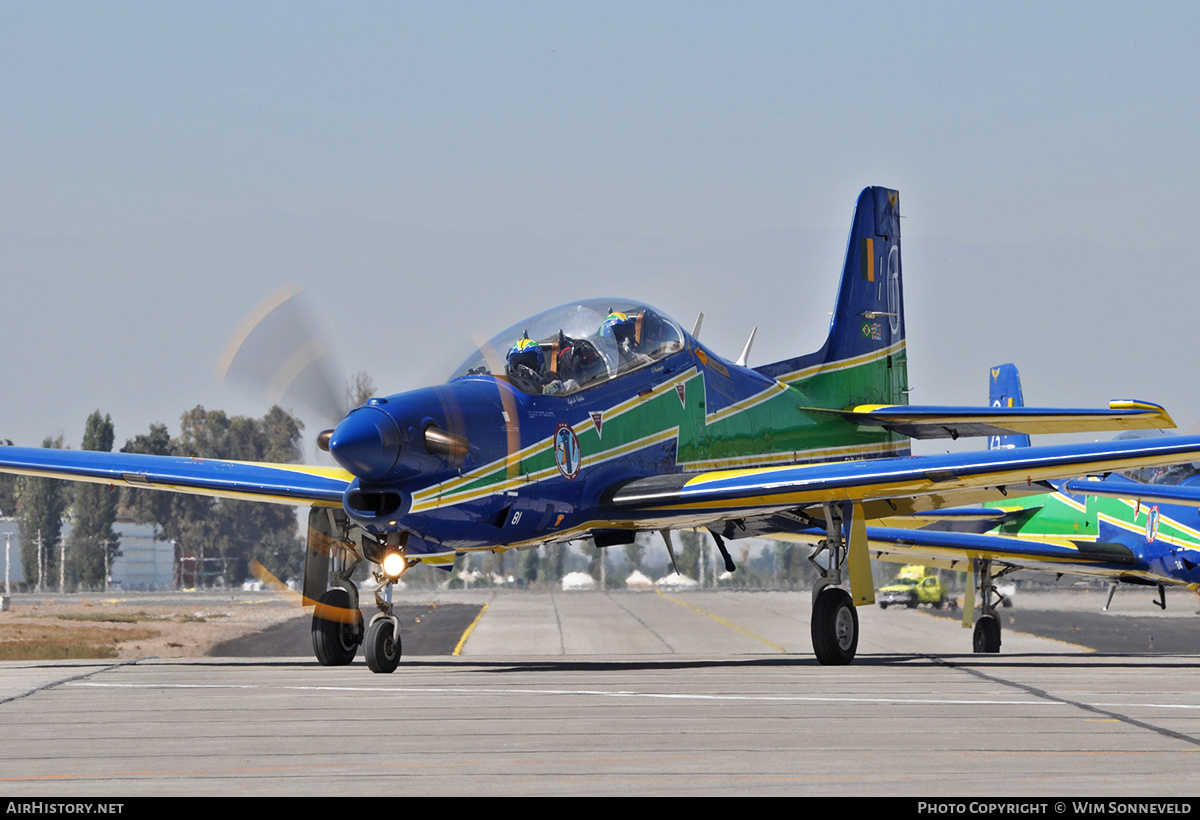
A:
(603, 418)
(1109, 527)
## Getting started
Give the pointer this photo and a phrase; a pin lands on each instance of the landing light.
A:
(393, 564)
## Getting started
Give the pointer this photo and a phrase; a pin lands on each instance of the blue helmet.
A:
(618, 327)
(527, 352)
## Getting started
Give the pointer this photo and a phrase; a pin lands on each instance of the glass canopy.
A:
(569, 348)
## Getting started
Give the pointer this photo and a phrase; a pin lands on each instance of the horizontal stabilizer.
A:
(952, 550)
(930, 422)
(1188, 494)
(947, 521)
(961, 519)
(999, 547)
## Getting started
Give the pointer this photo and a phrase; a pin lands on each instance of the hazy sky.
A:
(428, 171)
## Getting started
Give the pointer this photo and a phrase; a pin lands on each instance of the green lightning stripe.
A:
(745, 404)
(765, 429)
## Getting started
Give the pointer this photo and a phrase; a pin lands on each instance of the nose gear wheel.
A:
(382, 646)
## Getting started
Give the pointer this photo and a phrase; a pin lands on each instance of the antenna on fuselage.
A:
(696, 327)
(745, 357)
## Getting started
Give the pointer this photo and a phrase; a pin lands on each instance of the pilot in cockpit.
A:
(624, 330)
(526, 365)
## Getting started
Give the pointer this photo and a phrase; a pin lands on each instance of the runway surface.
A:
(628, 694)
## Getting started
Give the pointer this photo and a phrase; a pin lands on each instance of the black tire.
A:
(335, 642)
(383, 647)
(986, 638)
(834, 627)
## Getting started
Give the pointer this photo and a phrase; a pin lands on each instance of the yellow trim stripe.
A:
(922, 485)
(793, 458)
(843, 364)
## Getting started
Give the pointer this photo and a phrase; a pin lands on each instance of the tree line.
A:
(234, 532)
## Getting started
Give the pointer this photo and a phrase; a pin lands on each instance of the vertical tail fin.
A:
(863, 360)
(869, 313)
(1004, 390)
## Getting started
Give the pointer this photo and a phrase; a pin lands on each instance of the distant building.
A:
(144, 563)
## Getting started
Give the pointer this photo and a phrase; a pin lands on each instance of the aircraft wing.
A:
(928, 422)
(890, 486)
(278, 483)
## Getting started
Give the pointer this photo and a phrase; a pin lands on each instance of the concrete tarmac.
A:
(592, 693)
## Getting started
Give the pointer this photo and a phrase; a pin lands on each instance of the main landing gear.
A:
(986, 637)
(834, 617)
(337, 627)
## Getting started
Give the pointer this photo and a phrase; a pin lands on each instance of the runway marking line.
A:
(447, 690)
(467, 633)
(721, 620)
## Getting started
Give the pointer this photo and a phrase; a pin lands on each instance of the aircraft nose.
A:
(366, 442)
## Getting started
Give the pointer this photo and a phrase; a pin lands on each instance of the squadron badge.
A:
(566, 451)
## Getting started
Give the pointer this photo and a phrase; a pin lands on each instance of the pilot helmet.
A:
(618, 327)
(527, 352)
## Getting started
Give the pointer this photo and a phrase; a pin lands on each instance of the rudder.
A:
(865, 344)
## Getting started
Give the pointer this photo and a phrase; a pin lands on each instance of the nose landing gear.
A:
(383, 635)
(335, 548)
(383, 645)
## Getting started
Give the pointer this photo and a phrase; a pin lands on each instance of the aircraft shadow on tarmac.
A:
(1084, 661)
(434, 630)
(431, 629)
(1106, 632)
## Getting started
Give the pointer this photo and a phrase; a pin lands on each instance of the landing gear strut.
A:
(330, 559)
(986, 638)
(383, 636)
